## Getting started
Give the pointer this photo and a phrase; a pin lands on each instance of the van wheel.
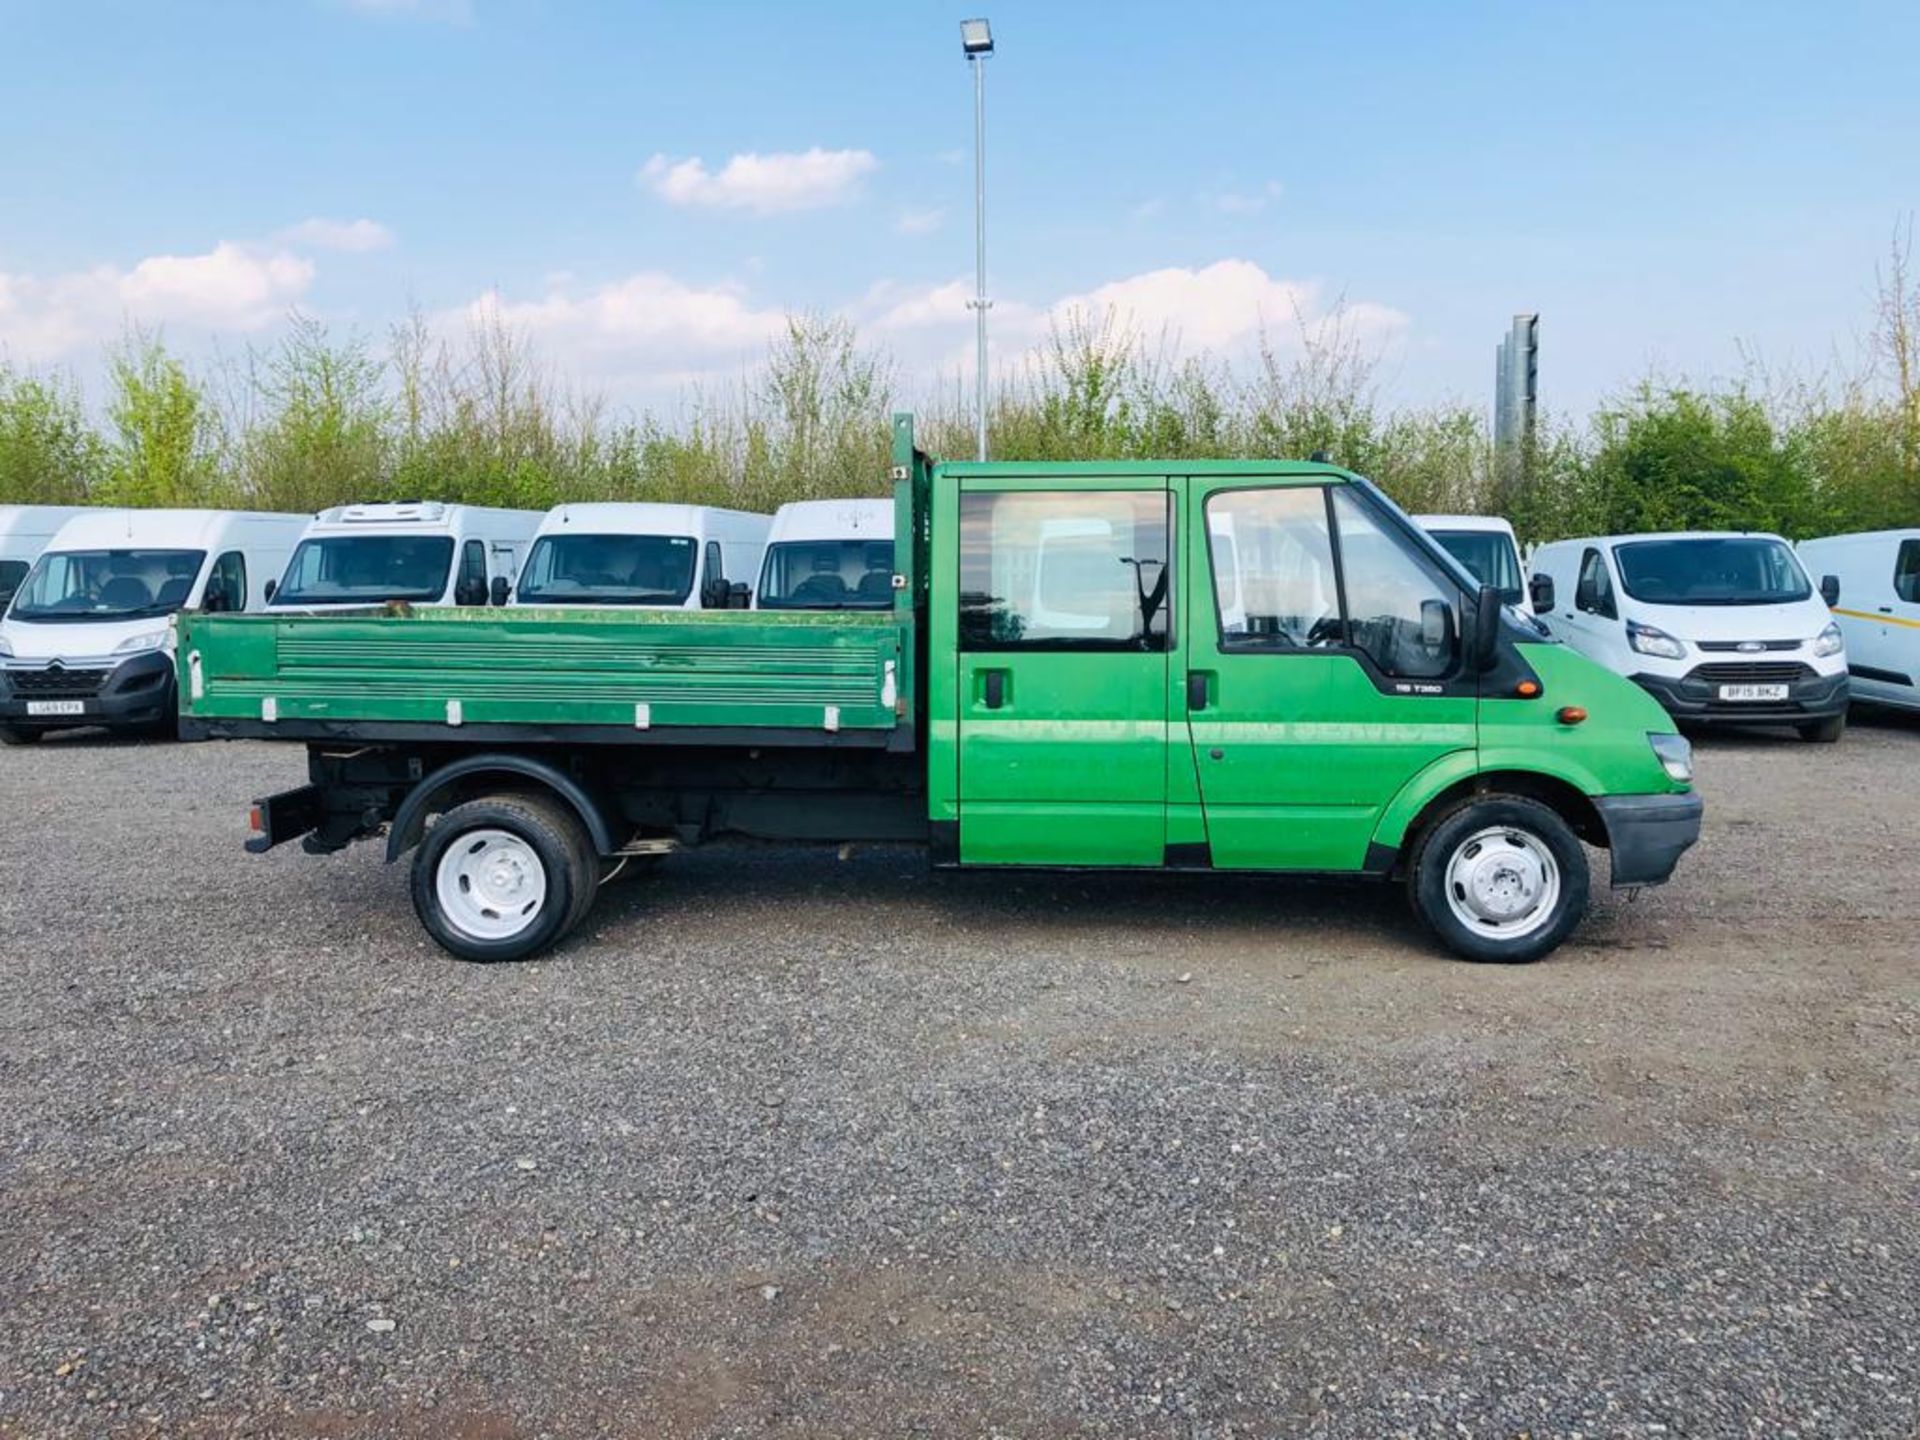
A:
(13, 735)
(1501, 879)
(1824, 732)
(504, 877)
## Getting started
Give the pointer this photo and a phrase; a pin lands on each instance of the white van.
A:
(1485, 544)
(1718, 627)
(354, 556)
(829, 555)
(672, 557)
(87, 640)
(26, 530)
(1876, 597)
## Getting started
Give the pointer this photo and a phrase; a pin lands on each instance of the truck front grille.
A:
(57, 683)
(1751, 672)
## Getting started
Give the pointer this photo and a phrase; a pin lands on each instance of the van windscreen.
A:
(366, 570)
(83, 585)
(828, 575)
(608, 570)
(1711, 570)
(1488, 555)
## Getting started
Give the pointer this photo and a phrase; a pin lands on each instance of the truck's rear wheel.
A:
(1500, 879)
(504, 877)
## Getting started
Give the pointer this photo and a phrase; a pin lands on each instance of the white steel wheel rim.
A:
(1503, 883)
(491, 884)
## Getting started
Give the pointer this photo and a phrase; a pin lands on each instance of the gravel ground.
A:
(791, 1145)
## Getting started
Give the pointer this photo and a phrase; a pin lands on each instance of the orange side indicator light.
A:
(256, 822)
(1571, 715)
(1527, 689)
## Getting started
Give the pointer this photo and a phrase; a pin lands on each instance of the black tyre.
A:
(1824, 732)
(1501, 879)
(14, 735)
(504, 877)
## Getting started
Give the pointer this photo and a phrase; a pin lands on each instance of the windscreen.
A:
(609, 570)
(366, 570)
(1712, 570)
(84, 585)
(828, 575)
(1489, 555)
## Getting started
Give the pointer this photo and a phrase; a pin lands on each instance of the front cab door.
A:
(1065, 597)
(1325, 667)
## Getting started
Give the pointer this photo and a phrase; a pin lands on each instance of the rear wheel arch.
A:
(480, 775)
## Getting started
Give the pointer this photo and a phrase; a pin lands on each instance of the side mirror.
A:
(1830, 589)
(1436, 624)
(500, 591)
(1541, 589)
(1486, 627)
(273, 588)
(739, 597)
(470, 592)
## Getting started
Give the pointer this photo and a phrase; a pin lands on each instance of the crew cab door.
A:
(1062, 670)
(1325, 668)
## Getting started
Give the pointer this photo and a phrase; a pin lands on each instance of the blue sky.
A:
(1664, 183)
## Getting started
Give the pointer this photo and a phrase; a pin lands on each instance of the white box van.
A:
(829, 555)
(673, 557)
(1485, 544)
(425, 552)
(1718, 627)
(87, 640)
(1876, 598)
(26, 530)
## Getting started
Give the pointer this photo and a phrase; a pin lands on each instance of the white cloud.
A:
(352, 236)
(764, 184)
(645, 331)
(920, 222)
(230, 288)
(1247, 202)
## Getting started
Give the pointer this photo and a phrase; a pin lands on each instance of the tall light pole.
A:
(976, 39)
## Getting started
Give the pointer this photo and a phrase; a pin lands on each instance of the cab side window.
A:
(1274, 585)
(1594, 593)
(1065, 570)
(470, 588)
(1400, 613)
(12, 572)
(226, 584)
(1906, 572)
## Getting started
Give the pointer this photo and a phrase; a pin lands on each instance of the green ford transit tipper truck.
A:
(1210, 666)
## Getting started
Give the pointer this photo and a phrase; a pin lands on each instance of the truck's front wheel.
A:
(503, 877)
(1502, 878)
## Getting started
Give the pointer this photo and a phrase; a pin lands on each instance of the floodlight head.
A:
(976, 38)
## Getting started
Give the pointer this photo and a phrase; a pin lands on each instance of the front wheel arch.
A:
(1565, 800)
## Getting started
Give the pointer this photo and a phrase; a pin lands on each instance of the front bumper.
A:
(1696, 695)
(135, 693)
(1648, 834)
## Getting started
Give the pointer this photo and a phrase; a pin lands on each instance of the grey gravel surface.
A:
(786, 1144)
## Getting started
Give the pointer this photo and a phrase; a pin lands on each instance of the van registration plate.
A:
(1753, 692)
(56, 707)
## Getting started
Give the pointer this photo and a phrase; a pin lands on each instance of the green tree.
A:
(165, 447)
(49, 453)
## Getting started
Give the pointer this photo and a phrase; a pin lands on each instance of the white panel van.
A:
(1485, 544)
(1719, 627)
(426, 553)
(87, 640)
(829, 555)
(674, 557)
(1876, 589)
(26, 530)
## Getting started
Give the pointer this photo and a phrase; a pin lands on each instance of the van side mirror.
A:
(500, 591)
(1486, 628)
(273, 588)
(1830, 589)
(1541, 590)
(739, 598)
(470, 591)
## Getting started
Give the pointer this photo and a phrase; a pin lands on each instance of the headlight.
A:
(1828, 641)
(1649, 641)
(139, 644)
(1675, 754)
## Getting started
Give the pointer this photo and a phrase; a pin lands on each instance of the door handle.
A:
(1886, 609)
(995, 686)
(1196, 690)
